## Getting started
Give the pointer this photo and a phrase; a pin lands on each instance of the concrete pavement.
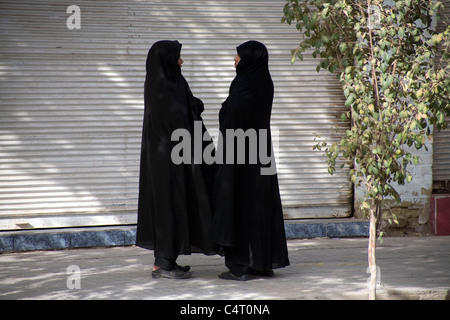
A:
(321, 268)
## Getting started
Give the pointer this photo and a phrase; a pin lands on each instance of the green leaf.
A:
(348, 69)
(349, 100)
(409, 178)
(400, 17)
(346, 92)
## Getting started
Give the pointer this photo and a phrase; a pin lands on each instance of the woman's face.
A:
(180, 62)
(236, 60)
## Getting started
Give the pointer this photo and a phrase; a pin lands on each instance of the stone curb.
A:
(67, 238)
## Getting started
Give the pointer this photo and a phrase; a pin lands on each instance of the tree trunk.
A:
(374, 218)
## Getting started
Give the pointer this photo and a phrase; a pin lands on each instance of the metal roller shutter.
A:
(71, 104)
(441, 155)
(441, 143)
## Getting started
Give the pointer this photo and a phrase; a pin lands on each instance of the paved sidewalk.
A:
(411, 268)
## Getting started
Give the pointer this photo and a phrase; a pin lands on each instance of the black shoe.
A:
(181, 268)
(265, 273)
(172, 274)
(229, 276)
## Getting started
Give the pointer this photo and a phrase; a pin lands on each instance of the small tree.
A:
(384, 55)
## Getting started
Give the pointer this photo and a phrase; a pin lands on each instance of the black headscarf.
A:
(174, 213)
(248, 215)
(251, 92)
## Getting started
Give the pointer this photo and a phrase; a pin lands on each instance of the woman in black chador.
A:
(248, 220)
(174, 213)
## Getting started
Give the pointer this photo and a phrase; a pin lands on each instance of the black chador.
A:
(248, 220)
(174, 212)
